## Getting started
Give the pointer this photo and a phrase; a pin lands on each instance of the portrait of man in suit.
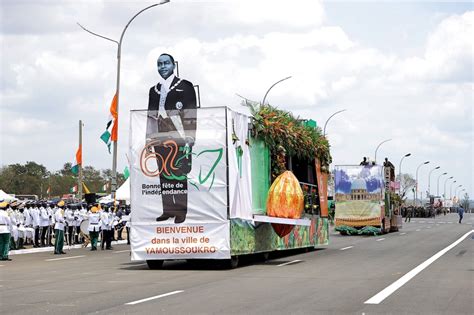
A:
(171, 132)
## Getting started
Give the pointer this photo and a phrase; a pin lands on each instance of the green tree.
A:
(407, 183)
(28, 179)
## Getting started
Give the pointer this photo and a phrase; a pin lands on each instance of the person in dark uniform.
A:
(171, 131)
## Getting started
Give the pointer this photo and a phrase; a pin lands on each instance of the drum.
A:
(85, 227)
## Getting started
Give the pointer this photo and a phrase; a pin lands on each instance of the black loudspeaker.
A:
(90, 198)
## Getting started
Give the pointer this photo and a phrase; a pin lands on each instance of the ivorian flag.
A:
(126, 172)
(73, 189)
(111, 129)
(75, 168)
(48, 191)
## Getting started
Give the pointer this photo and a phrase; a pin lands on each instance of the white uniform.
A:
(29, 230)
(69, 216)
(94, 220)
(35, 216)
(13, 226)
(59, 219)
(5, 222)
(44, 217)
(105, 221)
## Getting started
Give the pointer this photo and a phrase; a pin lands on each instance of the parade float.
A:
(365, 199)
(255, 184)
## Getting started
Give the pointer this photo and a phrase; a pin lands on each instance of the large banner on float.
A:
(179, 184)
(358, 195)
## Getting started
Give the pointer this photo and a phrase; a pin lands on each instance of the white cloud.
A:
(58, 74)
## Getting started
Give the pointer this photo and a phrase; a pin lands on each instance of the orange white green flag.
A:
(75, 168)
(111, 129)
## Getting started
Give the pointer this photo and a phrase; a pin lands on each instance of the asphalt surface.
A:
(338, 279)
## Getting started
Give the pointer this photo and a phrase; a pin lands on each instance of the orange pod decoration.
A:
(285, 197)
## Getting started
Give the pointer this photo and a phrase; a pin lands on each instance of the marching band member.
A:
(106, 225)
(77, 223)
(52, 208)
(29, 230)
(59, 229)
(5, 224)
(44, 223)
(94, 228)
(70, 223)
(13, 225)
(36, 220)
(20, 219)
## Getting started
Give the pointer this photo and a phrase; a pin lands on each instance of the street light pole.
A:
(416, 187)
(429, 179)
(375, 158)
(325, 124)
(456, 189)
(271, 87)
(400, 173)
(451, 190)
(444, 195)
(437, 190)
(117, 93)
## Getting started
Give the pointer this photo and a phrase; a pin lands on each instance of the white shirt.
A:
(105, 222)
(5, 222)
(94, 219)
(44, 217)
(59, 219)
(165, 88)
(69, 216)
(35, 215)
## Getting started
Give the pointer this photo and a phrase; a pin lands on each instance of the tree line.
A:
(35, 179)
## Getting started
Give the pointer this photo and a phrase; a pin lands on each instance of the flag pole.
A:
(117, 91)
(79, 177)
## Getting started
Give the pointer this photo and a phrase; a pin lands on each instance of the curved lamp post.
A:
(416, 189)
(119, 50)
(400, 173)
(325, 124)
(271, 87)
(437, 190)
(375, 157)
(451, 189)
(429, 179)
(444, 195)
(464, 189)
(456, 189)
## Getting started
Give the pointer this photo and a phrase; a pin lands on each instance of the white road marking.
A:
(450, 222)
(154, 297)
(346, 247)
(288, 263)
(121, 251)
(422, 221)
(2, 265)
(382, 295)
(403, 233)
(418, 230)
(430, 222)
(380, 239)
(64, 258)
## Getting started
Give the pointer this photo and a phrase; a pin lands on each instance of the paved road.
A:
(339, 279)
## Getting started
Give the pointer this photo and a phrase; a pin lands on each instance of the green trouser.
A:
(94, 238)
(59, 241)
(4, 245)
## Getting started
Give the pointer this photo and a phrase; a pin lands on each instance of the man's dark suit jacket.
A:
(181, 100)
